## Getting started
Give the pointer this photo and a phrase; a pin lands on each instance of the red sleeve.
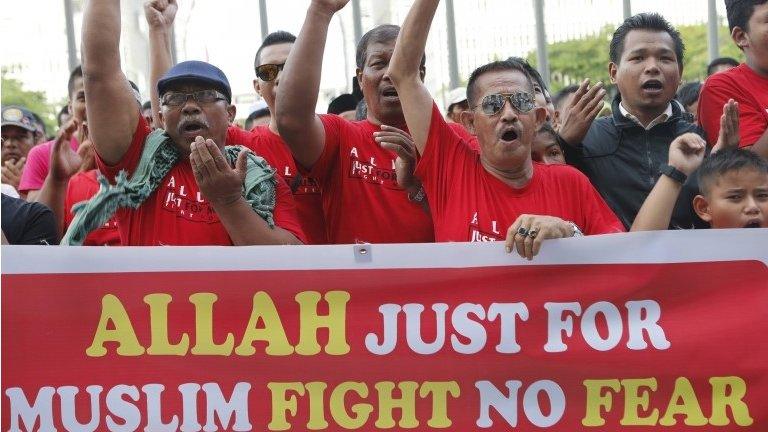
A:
(131, 157)
(285, 210)
(334, 128)
(242, 137)
(444, 151)
(36, 168)
(714, 95)
(599, 218)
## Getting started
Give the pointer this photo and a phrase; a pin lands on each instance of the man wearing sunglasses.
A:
(361, 198)
(265, 140)
(500, 194)
(181, 184)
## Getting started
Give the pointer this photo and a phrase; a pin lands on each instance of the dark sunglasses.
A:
(523, 102)
(176, 99)
(268, 72)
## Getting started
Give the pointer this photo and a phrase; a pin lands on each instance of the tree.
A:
(13, 93)
(572, 61)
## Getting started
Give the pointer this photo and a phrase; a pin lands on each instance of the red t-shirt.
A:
(468, 204)
(176, 212)
(306, 190)
(361, 199)
(747, 88)
(82, 187)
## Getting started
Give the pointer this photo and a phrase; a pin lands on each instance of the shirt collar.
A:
(658, 120)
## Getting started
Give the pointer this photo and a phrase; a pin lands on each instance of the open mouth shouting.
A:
(652, 87)
(192, 128)
(753, 223)
(509, 135)
(389, 94)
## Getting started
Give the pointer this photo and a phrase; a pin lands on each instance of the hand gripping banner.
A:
(650, 331)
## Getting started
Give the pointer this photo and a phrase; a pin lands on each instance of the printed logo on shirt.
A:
(369, 170)
(477, 235)
(179, 199)
(299, 184)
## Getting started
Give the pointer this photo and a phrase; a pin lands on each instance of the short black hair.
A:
(740, 11)
(534, 73)
(75, 74)
(649, 22)
(379, 34)
(343, 103)
(261, 112)
(559, 98)
(688, 94)
(503, 65)
(726, 161)
(146, 105)
(720, 61)
(548, 129)
(274, 38)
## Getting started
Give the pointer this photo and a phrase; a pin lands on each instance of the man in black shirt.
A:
(28, 223)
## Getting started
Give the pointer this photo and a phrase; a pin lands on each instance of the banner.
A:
(647, 331)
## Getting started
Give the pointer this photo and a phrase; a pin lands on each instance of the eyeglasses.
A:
(268, 72)
(176, 99)
(493, 104)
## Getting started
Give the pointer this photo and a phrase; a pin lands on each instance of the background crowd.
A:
(505, 161)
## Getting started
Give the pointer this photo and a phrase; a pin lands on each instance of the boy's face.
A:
(736, 199)
(546, 150)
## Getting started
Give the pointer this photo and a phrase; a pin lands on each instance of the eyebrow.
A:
(664, 50)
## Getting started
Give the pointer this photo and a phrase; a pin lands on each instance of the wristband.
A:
(673, 173)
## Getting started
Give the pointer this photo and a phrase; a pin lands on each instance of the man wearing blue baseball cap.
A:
(180, 185)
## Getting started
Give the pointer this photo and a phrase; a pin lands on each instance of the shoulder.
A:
(601, 133)
(40, 151)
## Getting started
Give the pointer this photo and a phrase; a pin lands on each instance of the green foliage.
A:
(13, 93)
(572, 61)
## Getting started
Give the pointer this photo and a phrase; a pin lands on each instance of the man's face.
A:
(17, 142)
(277, 55)
(647, 74)
(546, 150)
(77, 101)
(506, 137)
(737, 199)
(192, 119)
(379, 92)
(755, 41)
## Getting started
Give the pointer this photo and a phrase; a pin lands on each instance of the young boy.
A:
(733, 185)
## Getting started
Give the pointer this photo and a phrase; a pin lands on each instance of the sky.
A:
(34, 44)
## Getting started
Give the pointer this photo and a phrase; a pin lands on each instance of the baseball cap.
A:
(195, 71)
(456, 95)
(19, 116)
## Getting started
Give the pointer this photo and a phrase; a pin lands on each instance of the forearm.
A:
(160, 61)
(299, 87)
(245, 227)
(405, 71)
(52, 195)
(656, 212)
(101, 38)
(409, 50)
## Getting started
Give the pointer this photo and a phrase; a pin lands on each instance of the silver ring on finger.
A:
(522, 231)
(533, 233)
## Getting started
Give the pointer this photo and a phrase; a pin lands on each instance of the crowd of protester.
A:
(504, 161)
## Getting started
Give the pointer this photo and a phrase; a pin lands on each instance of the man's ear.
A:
(541, 116)
(359, 76)
(231, 112)
(162, 120)
(613, 68)
(468, 120)
(257, 87)
(422, 73)
(740, 37)
(701, 207)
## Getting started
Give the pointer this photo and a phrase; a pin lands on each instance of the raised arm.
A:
(686, 154)
(297, 122)
(112, 111)
(160, 15)
(405, 70)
